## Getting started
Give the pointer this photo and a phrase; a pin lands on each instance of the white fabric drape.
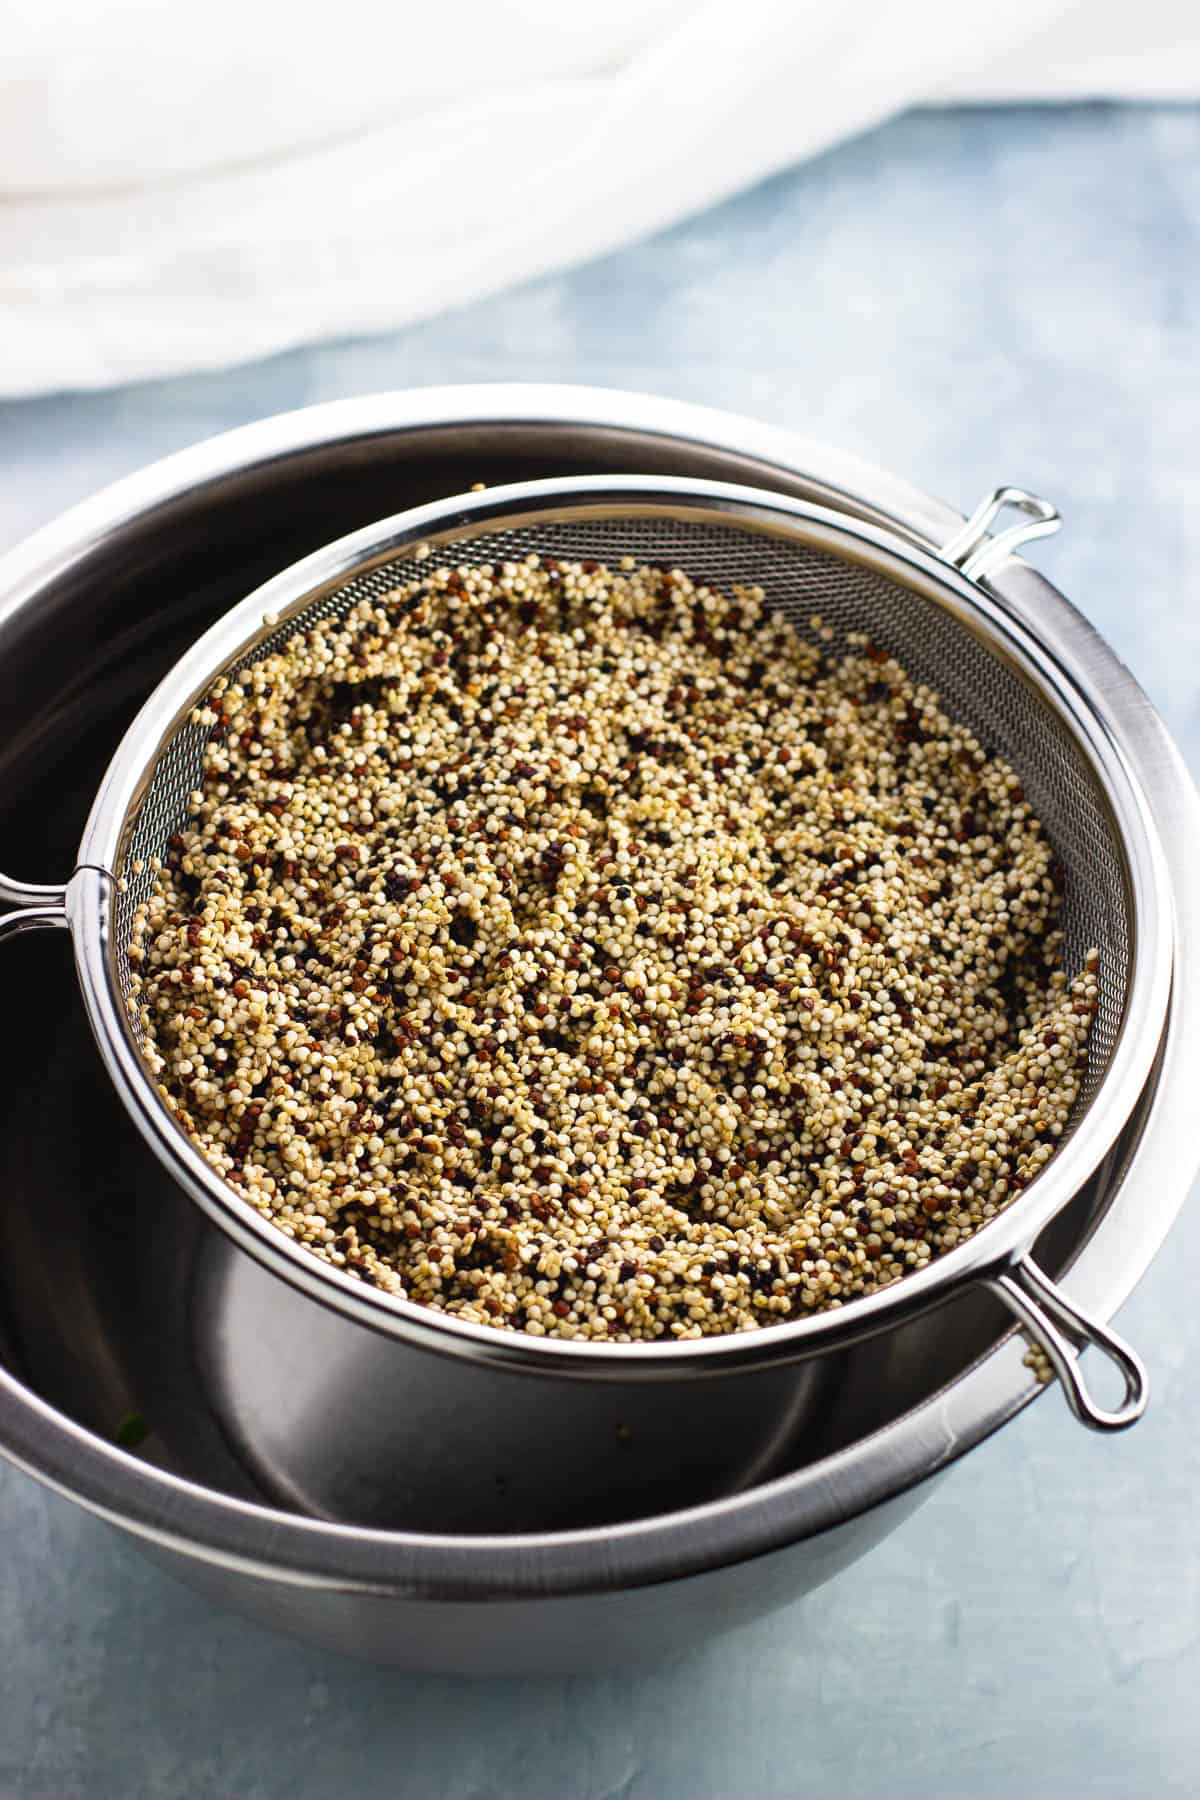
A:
(185, 188)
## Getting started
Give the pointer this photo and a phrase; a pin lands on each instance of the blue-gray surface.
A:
(965, 298)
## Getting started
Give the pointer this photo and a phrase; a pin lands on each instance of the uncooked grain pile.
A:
(585, 952)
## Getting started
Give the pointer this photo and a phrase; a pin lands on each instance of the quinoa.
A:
(578, 950)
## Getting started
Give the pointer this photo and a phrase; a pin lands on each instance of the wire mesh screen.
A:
(977, 686)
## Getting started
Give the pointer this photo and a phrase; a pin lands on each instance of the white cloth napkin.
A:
(185, 188)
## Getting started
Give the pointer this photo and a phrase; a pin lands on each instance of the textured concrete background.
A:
(964, 298)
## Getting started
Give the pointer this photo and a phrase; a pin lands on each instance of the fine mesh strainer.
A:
(927, 607)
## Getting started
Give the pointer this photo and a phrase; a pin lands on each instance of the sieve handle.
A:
(37, 908)
(974, 552)
(1064, 1332)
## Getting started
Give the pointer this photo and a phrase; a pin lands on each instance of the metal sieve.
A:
(931, 610)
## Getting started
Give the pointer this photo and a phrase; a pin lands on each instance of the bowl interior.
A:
(99, 1253)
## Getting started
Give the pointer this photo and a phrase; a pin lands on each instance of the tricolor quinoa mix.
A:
(581, 951)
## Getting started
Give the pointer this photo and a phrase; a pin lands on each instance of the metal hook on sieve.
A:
(37, 908)
(1064, 1332)
(974, 552)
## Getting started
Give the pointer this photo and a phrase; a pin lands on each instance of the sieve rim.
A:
(1065, 689)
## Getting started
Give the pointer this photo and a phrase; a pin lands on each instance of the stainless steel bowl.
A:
(116, 1294)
